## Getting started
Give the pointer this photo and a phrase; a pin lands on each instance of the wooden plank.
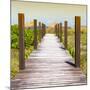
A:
(77, 40)
(65, 34)
(21, 40)
(60, 32)
(48, 72)
(41, 72)
(35, 34)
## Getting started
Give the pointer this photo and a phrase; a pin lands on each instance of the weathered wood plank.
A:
(50, 71)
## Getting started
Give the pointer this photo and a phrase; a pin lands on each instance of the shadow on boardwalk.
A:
(50, 65)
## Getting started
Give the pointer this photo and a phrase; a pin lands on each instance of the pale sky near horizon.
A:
(47, 12)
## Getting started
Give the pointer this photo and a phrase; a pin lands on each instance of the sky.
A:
(48, 13)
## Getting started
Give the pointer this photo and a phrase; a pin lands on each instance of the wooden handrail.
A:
(42, 31)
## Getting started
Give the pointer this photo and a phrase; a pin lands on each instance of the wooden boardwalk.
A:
(48, 66)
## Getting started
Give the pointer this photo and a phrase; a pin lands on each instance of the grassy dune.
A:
(15, 60)
(83, 47)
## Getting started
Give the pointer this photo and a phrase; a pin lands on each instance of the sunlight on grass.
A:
(83, 49)
(15, 60)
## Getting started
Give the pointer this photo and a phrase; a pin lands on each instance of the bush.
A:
(28, 37)
(28, 41)
(14, 36)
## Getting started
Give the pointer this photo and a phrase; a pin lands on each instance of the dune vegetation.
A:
(29, 47)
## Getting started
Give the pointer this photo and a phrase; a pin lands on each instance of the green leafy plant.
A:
(28, 42)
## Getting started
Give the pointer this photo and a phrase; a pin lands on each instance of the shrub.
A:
(28, 37)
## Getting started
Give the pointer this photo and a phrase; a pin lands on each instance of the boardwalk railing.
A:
(21, 25)
(58, 31)
(42, 30)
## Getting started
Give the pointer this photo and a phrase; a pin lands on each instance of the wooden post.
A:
(40, 31)
(21, 41)
(60, 32)
(65, 34)
(56, 30)
(43, 30)
(35, 34)
(77, 40)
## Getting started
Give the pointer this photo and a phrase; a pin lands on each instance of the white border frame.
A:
(5, 44)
